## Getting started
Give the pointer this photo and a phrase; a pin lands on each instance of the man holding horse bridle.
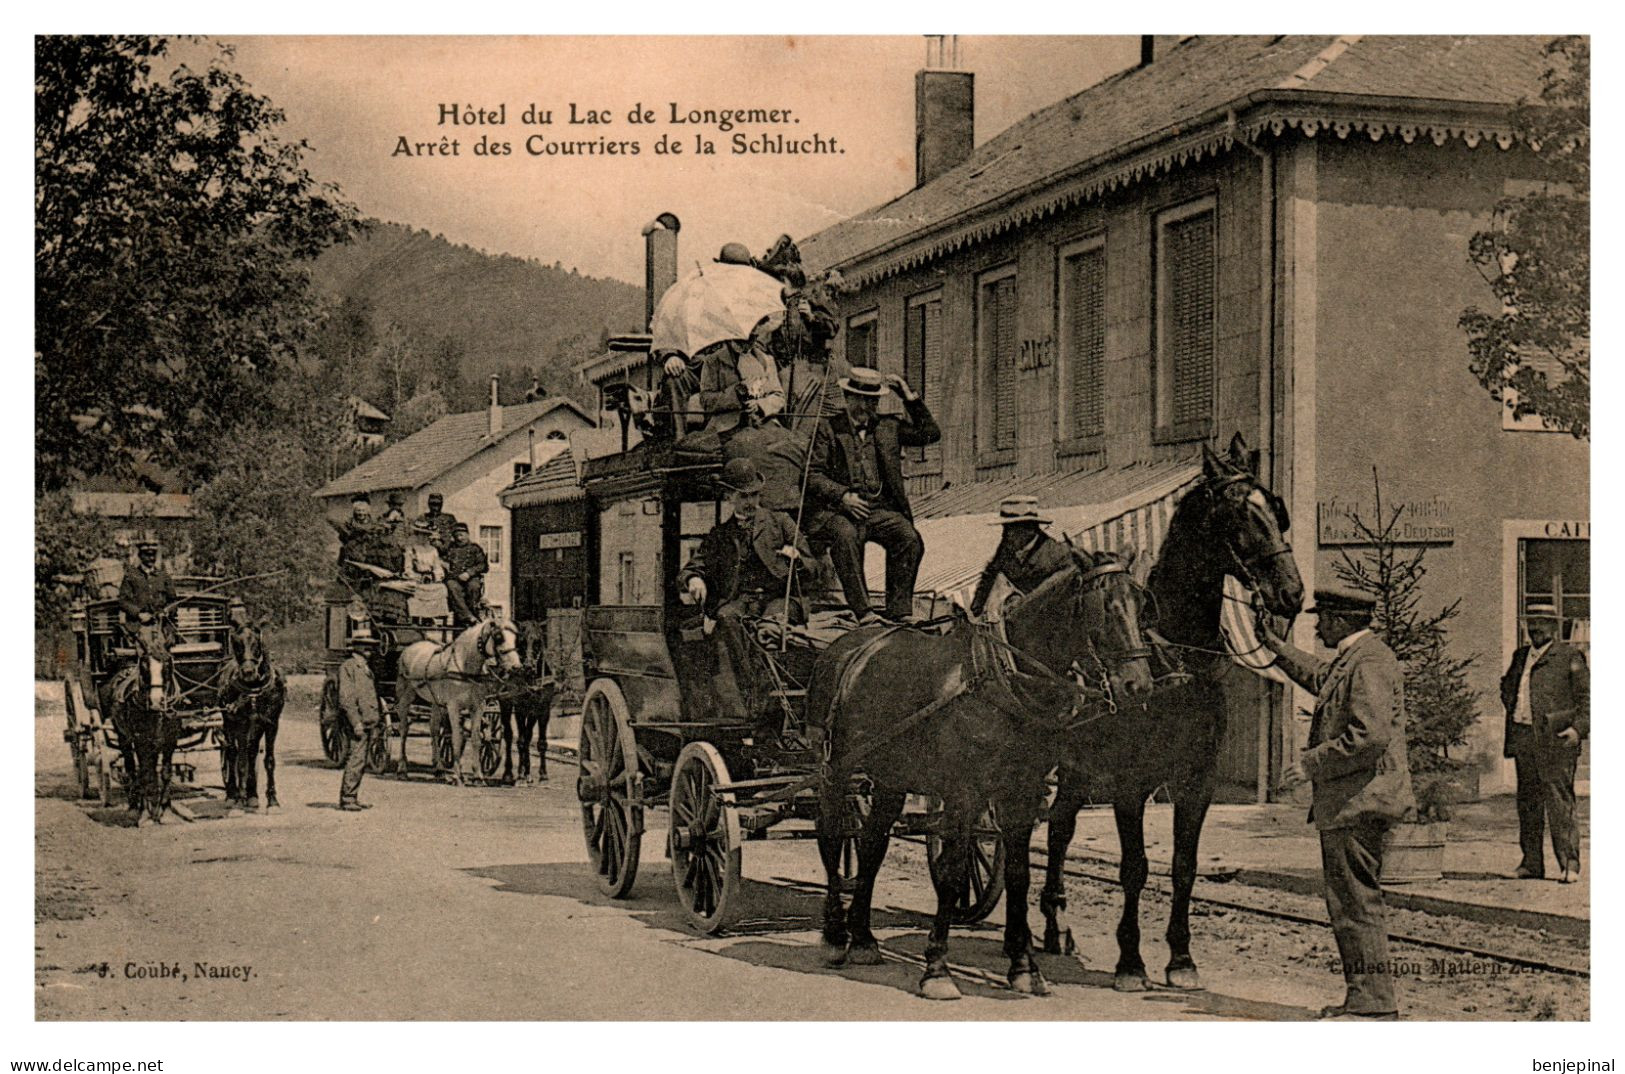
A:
(1357, 762)
(742, 566)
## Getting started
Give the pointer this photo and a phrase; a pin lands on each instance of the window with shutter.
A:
(996, 338)
(862, 347)
(1186, 278)
(1082, 373)
(922, 358)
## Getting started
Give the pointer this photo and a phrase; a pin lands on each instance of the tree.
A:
(256, 517)
(1440, 707)
(1536, 258)
(172, 228)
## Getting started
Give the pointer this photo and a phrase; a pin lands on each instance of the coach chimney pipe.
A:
(660, 261)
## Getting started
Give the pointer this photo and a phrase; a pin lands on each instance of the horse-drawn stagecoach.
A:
(189, 691)
(397, 614)
(652, 734)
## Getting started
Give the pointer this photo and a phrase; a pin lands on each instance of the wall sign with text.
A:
(1421, 520)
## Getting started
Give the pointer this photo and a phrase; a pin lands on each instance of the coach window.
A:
(862, 342)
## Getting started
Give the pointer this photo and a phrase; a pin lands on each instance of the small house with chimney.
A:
(468, 459)
(1256, 234)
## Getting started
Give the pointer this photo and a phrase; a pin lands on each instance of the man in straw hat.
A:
(856, 493)
(358, 711)
(1547, 696)
(742, 568)
(1357, 762)
(1026, 555)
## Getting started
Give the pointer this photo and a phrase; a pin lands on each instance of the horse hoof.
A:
(1184, 978)
(272, 804)
(1131, 982)
(834, 954)
(1029, 983)
(939, 988)
(252, 804)
(865, 954)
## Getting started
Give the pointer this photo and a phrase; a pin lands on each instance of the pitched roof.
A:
(1144, 119)
(429, 453)
(552, 481)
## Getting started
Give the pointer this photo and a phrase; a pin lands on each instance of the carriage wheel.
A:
(378, 751)
(335, 743)
(490, 742)
(984, 873)
(444, 758)
(705, 839)
(610, 789)
(73, 700)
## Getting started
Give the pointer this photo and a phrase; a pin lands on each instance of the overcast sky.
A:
(353, 98)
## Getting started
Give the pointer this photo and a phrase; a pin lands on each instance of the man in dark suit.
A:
(855, 490)
(1547, 696)
(466, 564)
(742, 567)
(1026, 555)
(1356, 760)
(146, 592)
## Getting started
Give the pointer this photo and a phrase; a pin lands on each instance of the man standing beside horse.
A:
(1362, 784)
(358, 705)
(856, 494)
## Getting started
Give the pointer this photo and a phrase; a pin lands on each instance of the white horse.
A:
(455, 678)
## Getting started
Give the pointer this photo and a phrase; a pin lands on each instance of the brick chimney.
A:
(660, 260)
(944, 111)
(495, 425)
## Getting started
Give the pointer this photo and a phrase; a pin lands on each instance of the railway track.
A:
(1075, 869)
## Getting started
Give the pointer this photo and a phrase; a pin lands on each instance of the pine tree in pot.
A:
(1440, 707)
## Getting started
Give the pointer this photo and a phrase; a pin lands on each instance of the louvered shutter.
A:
(1188, 246)
(1086, 335)
(1002, 308)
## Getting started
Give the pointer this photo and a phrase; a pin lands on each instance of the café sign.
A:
(1421, 520)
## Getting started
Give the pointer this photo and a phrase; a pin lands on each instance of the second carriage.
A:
(651, 735)
(397, 613)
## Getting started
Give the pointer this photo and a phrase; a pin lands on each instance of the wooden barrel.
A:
(1413, 853)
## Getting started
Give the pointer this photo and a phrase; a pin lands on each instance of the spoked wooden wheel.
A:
(378, 750)
(705, 839)
(444, 758)
(335, 743)
(490, 742)
(73, 699)
(610, 789)
(984, 870)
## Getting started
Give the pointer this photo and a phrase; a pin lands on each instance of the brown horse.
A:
(969, 719)
(530, 704)
(1227, 524)
(253, 694)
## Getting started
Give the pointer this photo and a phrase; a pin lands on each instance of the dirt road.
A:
(475, 903)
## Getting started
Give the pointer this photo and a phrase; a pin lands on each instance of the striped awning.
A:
(1131, 508)
(1132, 512)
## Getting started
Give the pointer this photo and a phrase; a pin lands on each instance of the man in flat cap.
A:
(466, 564)
(856, 493)
(1357, 762)
(440, 523)
(1026, 555)
(742, 568)
(1547, 696)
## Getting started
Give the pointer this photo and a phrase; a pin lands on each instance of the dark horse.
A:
(1227, 524)
(147, 726)
(531, 704)
(252, 695)
(971, 720)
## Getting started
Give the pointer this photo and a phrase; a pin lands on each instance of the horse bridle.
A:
(494, 654)
(1246, 565)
